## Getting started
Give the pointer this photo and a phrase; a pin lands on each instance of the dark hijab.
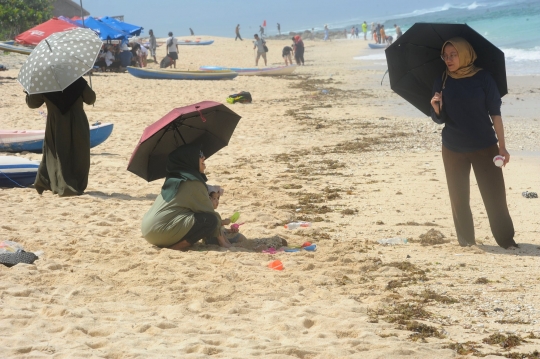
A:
(182, 165)
(65, 99)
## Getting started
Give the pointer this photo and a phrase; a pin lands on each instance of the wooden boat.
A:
(195, 42)
(17, 171)
(4, 46)
(32, 140)
(377, 46)
(254, 71)
(163, 74)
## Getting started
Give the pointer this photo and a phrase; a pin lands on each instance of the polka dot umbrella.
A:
(59, 60)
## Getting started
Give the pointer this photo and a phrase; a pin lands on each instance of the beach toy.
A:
(294, 225)
(292, 249)
(498, 160)
(306, 244)
(277, 265)
(235, 217)
(236, 225)
(311, 248)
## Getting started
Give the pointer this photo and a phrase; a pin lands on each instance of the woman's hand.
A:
(437, 102)
(234, 229)
(503, 152)
(225, 222)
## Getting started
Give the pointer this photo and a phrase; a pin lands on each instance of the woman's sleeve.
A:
(35, 101)
(88, 95)
(441, 118)
(201, 202)
(493, 97)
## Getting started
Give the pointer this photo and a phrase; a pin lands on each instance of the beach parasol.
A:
(414, 60)
(59, 60)
(207, 123)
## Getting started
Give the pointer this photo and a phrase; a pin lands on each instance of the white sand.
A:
(100, 290)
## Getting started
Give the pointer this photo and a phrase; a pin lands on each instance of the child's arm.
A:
(226, 221)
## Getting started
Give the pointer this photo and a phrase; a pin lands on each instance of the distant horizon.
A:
(222, 19)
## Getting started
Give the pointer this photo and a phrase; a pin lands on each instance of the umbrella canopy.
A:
(123, 26)
(207, 123)
(104, 31)
(414, 60)
(40, 32)
(59, 60)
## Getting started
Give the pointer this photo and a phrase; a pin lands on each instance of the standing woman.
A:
(65, 163)
(153, 44)
(467, 101)
(298, 50)
(183, 213)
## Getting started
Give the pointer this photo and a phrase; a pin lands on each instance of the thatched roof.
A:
(68, 8)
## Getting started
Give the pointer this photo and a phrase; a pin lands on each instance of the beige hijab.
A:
(467, 56)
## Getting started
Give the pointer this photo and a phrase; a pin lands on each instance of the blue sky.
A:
(219, 17)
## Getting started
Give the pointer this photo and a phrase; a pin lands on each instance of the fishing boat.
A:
(17, 171)
(195, 42)
(163, 74)
(377, 46)
(5, 46)
(254, 71)
(32, 140)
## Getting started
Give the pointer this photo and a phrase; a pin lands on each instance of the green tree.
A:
(17, 16)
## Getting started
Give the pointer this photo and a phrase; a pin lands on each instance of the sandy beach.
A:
(358, 162)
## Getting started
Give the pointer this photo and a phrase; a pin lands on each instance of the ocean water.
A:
(513, 26)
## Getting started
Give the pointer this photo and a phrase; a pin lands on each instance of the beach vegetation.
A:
(507, 342)
(17, 16)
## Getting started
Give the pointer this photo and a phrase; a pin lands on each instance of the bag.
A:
(166, 62)
(265, 48)
(169, 42)
(241, 97)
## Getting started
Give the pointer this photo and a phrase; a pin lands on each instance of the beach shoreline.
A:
(356, 160)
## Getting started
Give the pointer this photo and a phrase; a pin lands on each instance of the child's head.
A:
(214, 197)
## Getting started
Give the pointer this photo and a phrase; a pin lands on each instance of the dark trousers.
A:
(299, 57)
(204, 226)
(238, 37)
(491, 184)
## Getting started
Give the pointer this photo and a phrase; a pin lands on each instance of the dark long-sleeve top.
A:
(468, 104)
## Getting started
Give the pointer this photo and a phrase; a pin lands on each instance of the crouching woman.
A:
(183, 213)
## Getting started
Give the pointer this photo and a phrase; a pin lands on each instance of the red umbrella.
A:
(208, 123)
(42, 31)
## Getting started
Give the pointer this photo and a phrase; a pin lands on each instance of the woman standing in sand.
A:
(467, 101)
(183, 213)
(65, 163)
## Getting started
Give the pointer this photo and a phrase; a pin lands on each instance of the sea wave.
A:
(520, 55)
(374, 57)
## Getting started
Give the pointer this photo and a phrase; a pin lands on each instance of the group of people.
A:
(116, 57)
(378, 34)
(355, 32)
(297, 49)
(465, 99)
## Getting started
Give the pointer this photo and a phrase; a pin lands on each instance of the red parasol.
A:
(42, 31)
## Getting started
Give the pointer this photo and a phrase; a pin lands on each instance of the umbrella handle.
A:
(384, 76)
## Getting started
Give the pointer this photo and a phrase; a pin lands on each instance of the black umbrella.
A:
(207, 123)
(414, 60)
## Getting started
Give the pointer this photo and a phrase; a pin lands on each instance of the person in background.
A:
(142, 52)
(259, 45)
(153, 44)
(106, 58)
(191, 32)
(237, 31)
(261, 31)
(172, 49)
(286, 53)
(364, 30)
(65, 162)
(326, 33)
(279, 29)
(352, 32)
(312, 35)
(356, 32)
(298, 49)
(466, 99)
(398, 31)
(382, 36)
(135, 60)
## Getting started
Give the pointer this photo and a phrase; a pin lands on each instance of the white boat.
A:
(17, 171)
(254, 71)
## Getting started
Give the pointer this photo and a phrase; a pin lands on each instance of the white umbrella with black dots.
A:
(59, 60)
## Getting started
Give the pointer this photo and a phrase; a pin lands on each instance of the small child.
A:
(231, 234)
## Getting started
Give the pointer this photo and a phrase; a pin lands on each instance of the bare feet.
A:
(181, 246)
(224, 242)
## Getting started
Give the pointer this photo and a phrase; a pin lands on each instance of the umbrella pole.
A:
(82, 18)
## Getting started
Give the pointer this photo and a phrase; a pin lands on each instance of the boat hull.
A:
(254, 71)
(377, 46)
(184, 42)
(32, 140)
(12, 48)
(181, 75)
(17, 172)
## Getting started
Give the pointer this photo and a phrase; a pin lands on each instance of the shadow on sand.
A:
(123, 196)
(524, 250)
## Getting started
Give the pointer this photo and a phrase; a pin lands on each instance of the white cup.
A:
(498, 160)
